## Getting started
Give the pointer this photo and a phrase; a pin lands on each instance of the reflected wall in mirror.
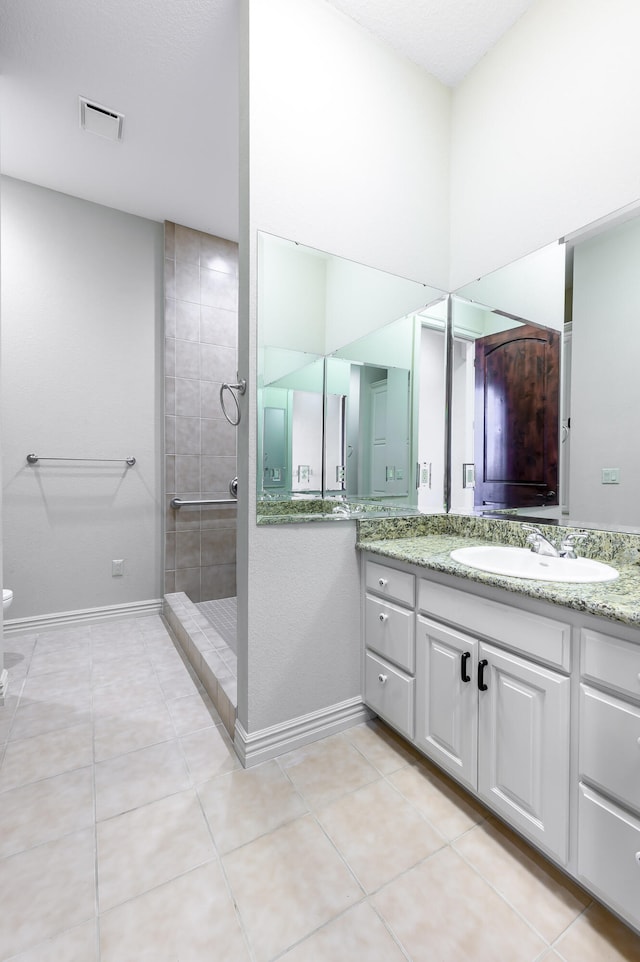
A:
(338, 381)
(506, 387)
(604, 473)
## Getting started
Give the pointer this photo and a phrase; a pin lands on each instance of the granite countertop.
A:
(618, 600)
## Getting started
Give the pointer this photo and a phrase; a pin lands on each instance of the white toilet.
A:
(7, 597)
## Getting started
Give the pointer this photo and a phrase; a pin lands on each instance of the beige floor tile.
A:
(109, 670)
(443, 910)
(550, 956)
(380, 746)
(39, 717)
(175, 682)
(45, 810)
(209, 753)
(149, 846)
(327, 769)
(46, 890)
(125, 695)
(288, 883)
(358, 936)
(67, 658)
(191, 713)
(106, 651)
(140, 728)
(242, 805)
(598, 936)
(42, 686)
(64, 637)
(129, 781)
(545, 897)
(379, 834)
(449, 808)
(79, 944)
(29, 759)
(191, 918)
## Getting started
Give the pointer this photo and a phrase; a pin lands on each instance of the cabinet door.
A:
(523, 746)
(447, 705)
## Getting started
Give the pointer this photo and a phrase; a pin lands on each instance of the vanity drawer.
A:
(610, 744)
(535, 636)
(609, 852)
(611, 662)
(389, 692)
(390, 631)
(399, 585)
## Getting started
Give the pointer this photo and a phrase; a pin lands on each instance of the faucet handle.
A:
(568, 544)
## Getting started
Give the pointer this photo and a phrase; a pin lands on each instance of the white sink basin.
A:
(524, 563)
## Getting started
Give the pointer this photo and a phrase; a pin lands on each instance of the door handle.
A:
(463, 665)
(481, 667)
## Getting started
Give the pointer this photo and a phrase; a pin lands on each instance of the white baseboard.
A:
(59, 619)
(269, 742)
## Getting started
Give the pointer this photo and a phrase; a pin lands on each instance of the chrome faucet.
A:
(539, 543)
(545, 546)
(568, 544)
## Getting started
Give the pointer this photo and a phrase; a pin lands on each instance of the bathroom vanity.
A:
(527, 693)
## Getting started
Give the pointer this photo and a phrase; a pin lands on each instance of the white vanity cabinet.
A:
(538, 716)
(497, 721)
(609, 771)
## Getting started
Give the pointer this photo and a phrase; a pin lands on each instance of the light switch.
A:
(611, 475)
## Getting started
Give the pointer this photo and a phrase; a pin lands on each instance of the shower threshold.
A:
(213, 659)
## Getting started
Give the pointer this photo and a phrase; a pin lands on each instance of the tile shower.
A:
(201, 323)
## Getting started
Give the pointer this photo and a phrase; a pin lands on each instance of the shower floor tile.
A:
(223, 615)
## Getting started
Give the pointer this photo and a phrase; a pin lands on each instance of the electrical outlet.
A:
(117, 568)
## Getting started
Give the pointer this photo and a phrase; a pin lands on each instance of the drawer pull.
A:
(638, 857)
(382, 582)
(481, 667)
(382, 616)
(382, 678)
(463, 665)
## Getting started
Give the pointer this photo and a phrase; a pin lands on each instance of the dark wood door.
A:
(516, 420)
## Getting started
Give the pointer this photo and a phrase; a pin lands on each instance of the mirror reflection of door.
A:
(517, 417)
(274, 447)
(386, 460)
(335, 454)
(306, 441)
(378, 440)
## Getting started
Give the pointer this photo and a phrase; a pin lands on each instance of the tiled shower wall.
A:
(201, 324)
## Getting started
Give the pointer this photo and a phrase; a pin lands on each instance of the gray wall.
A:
(201, 330)
(81, 376)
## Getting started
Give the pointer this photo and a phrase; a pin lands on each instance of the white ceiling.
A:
(171, 67)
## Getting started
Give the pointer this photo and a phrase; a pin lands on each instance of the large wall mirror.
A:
(541, 384)
(506, 387)
(575, 453)
(340, 354)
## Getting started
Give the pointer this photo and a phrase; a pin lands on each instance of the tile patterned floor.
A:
(129, 832)
(223, 615)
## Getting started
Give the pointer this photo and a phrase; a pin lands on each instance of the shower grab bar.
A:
(181, 503)
(34, 458)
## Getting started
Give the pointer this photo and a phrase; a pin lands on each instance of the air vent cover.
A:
(100, 120)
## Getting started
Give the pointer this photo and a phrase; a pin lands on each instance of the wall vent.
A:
(100, 120)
